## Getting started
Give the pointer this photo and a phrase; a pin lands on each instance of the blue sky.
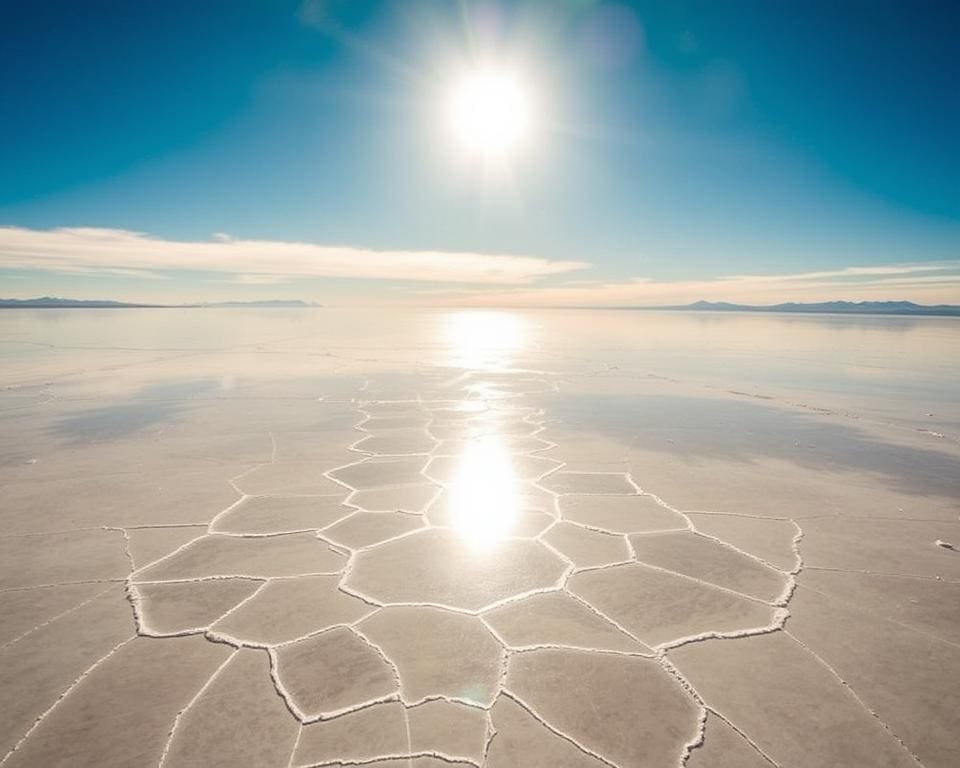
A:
(759, 151)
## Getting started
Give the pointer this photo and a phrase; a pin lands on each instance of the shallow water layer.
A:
(416, 538)
(900, 368)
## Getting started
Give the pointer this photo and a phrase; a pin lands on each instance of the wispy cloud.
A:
(460, 278)
(121, 252)
(880, 270)
(923, 282)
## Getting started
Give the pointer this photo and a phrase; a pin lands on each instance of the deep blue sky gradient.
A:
(727, 138)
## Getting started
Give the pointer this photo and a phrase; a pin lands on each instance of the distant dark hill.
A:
(825, 307)
(54, 302)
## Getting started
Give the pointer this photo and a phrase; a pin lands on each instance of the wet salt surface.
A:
(490, 539)
(747, 430)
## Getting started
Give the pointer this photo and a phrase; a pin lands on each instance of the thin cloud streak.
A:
(71, 250)
(911, 282)
(874, 271)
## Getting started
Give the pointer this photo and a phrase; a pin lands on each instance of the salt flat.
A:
(424, 538)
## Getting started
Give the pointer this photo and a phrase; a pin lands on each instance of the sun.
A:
(490, 111)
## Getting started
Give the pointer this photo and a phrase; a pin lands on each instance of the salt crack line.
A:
(52, 619)
(556, 731)
(176, 720)
(853, 693)
(62, 696)
(698, 738)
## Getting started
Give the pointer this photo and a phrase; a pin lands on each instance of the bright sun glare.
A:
(490, 111)
(484, 494)
(485, 340)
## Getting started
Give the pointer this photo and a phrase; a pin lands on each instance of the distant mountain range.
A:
(825, 307)
(54, 302)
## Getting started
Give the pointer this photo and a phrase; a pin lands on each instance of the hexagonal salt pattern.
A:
(433, 588)
(439, 568)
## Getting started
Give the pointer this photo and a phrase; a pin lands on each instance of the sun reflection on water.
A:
(484, 340)
(484, 494)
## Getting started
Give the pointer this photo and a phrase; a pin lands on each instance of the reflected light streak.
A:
(484, 340)
(484, 495)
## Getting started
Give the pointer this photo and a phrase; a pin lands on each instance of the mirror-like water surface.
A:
(897, 368)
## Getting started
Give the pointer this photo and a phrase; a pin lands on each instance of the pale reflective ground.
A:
(423, 538)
